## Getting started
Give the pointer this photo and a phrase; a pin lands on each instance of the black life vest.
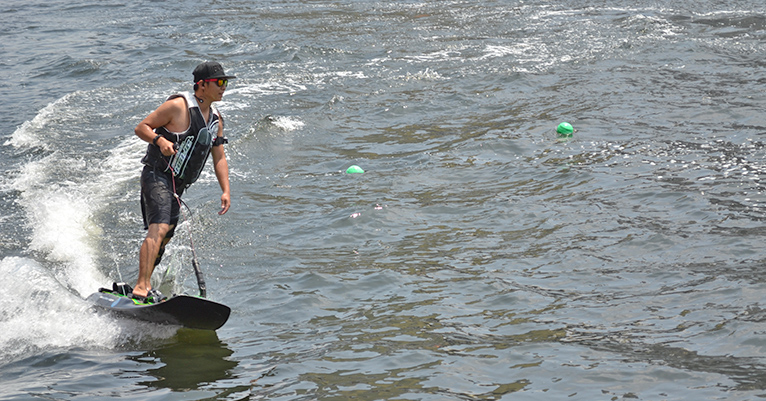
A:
(193, 145)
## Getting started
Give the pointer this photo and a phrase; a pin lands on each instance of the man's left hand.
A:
(225, 203)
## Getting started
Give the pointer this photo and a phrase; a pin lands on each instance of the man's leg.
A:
(148, 255)
(165, 241)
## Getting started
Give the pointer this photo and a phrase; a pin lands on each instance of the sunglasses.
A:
(219, 81)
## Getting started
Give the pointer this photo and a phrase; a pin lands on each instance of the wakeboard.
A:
(181, 310)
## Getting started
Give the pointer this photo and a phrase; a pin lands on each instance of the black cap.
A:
(208, 70)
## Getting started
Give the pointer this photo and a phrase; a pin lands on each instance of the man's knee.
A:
(166, 238)
(170, 232)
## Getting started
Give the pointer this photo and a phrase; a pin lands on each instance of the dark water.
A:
(479, 257)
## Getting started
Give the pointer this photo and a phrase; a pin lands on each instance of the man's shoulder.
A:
(174, 114)
(175, 103)
(180, 98)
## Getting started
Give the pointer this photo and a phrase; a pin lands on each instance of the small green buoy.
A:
(354, 170)
(565, 130)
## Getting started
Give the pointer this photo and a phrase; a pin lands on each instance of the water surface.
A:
(478, 257)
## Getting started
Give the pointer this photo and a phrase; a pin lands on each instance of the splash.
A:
(38, 314)
(63, 191)
(25, 135)
(286, 123)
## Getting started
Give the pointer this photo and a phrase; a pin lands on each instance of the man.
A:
(181, 133)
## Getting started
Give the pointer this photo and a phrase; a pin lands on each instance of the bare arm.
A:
(171, 115)
(222, 172)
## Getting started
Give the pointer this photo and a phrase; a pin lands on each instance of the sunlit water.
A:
(478, 257)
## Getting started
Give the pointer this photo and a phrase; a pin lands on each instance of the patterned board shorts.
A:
(158, 205)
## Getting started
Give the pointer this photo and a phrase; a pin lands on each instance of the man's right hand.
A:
(166, 147)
